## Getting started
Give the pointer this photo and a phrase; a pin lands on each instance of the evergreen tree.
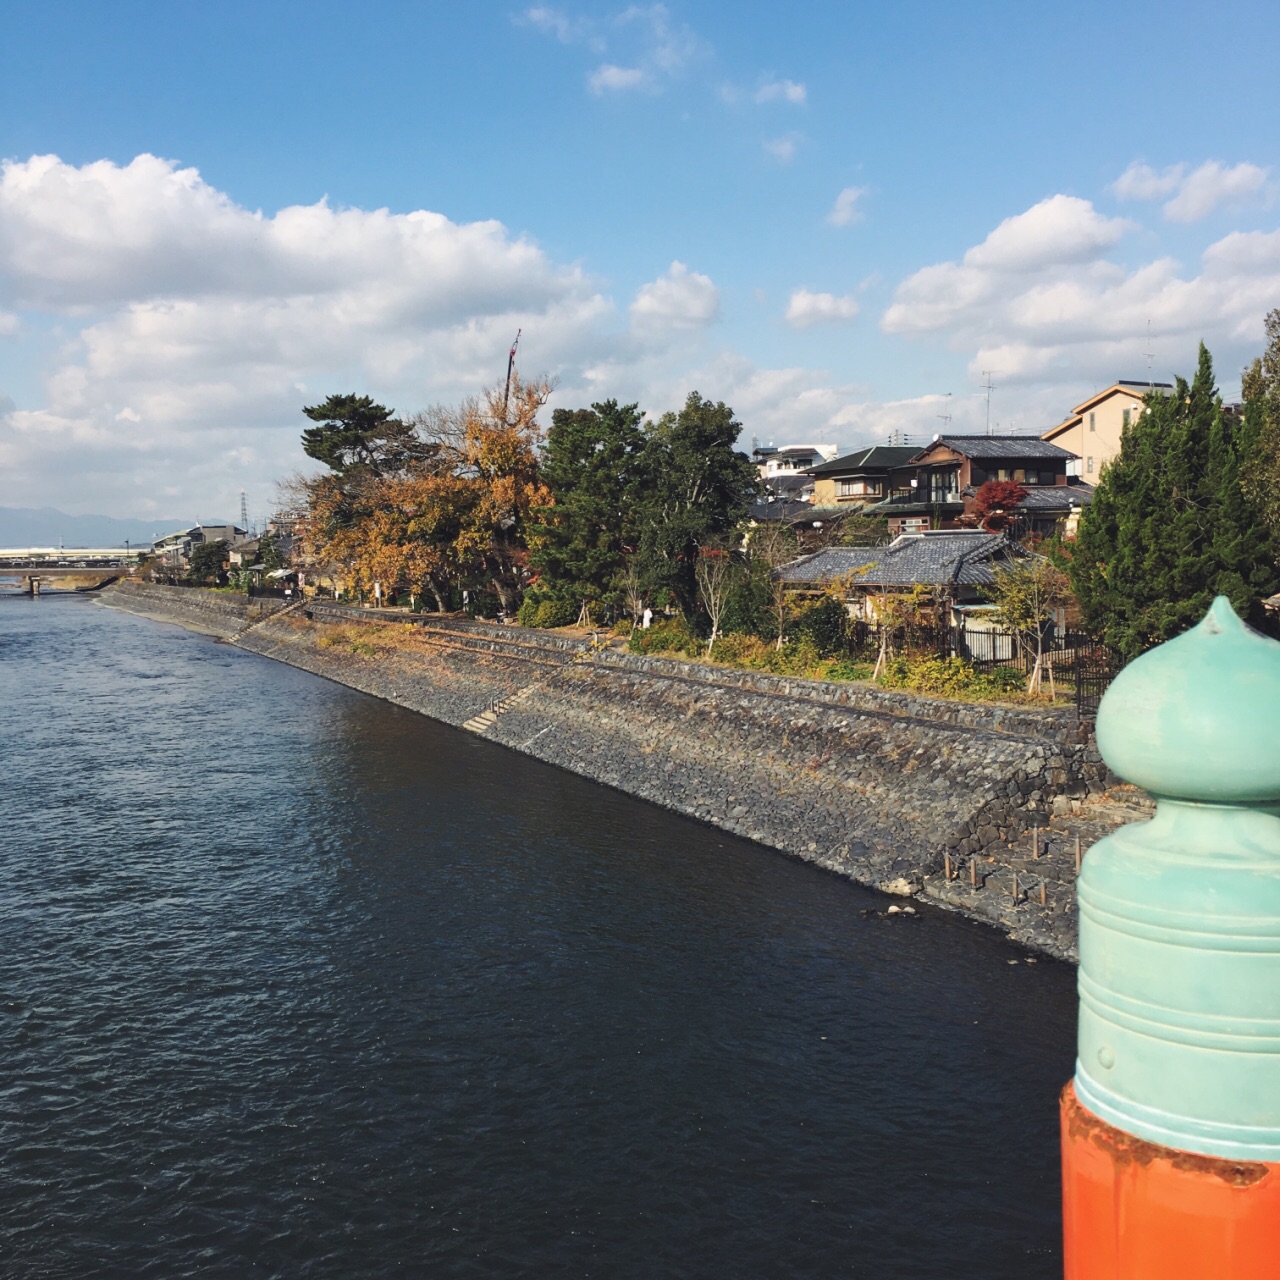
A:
(589, 464)
(358, 435)
(692, 487)
(1170, 525)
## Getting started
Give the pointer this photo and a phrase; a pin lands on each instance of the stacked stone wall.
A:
(902, 792)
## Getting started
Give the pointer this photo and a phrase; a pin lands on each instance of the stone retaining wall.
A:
(889, 789)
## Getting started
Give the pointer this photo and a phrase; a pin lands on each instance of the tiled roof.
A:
(1050, 497)
(879, 457)
(999, 447)
(931, 559)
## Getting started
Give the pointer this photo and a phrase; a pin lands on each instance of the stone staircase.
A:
(267, 617)
(484, 720)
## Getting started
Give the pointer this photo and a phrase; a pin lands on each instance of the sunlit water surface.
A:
(297, 983)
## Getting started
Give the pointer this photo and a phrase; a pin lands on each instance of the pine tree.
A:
(589, 464)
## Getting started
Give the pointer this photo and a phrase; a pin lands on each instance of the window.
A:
(1048, 477)
(1002, 473)
(1089, 464)
(1020, 475)
(1092, 422)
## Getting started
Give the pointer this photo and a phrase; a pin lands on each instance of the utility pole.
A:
(990, 387)
(511, 364)
(244, 514)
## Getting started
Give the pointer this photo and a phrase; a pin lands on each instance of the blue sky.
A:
(828, 215)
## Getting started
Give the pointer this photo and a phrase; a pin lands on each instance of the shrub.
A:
(668, 636)
(528, 611)
(556, 613)
(999, 681)
(826, 624)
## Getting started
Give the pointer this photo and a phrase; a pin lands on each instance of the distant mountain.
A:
(49, 527)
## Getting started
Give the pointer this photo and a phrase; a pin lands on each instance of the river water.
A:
(297, 983)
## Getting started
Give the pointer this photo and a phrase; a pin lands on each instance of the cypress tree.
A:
(1170, 525)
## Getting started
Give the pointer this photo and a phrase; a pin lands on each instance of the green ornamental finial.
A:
(1180, 917)
(1199, 717)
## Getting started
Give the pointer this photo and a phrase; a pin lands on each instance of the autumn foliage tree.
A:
(435, 505)
(996, 504)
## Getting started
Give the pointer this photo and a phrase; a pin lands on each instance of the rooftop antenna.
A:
(946, 417)
(1151, 355)
(511, 364)
(990, 387)
(244, 513)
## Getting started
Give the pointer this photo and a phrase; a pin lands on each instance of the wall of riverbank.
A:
(909, 794)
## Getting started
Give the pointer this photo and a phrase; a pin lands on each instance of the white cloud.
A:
(1195, 194)
(607, 77)
(783, 149)
(1212, 185)
(1040, 302)
(1142, 182)
(781, 91)
(197, 329)
(845, 212)
(649, 50)
(680, 299)
(805, 309)
(9, 324)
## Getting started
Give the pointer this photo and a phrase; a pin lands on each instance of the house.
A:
(1092, 431)
(949, 471)
(174, 549)
(784, 472)
(956, 564)
(867, 476)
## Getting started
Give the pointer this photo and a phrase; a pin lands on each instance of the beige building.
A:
(1093, 430)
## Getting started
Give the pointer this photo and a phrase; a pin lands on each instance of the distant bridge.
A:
(69, 557)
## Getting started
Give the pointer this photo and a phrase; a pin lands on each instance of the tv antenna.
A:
(945, 418)
(990, 387)
(1151, 355)
(511, 364)
(244, 514)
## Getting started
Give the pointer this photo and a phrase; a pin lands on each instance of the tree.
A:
(1170, 524)
(769, 547)
(1260, 446)
(208, 563)
(996, 502)
(716, 571)
(269, 555)
(691, 487)
(589, 461)
(1025, 594)
(356, 434)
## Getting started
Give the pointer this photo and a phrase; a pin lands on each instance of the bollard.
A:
(1171, 1127)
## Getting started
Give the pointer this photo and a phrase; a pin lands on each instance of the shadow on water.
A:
(296, 982)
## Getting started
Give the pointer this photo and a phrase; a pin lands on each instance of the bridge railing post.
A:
(1171, 1126)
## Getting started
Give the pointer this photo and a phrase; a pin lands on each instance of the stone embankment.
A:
(912, 795)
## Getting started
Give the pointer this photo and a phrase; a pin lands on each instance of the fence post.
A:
(1171, 1127)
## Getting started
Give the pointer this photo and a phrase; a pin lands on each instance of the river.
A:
(297, 983)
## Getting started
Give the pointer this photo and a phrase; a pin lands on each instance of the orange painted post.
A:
(1171, 1127)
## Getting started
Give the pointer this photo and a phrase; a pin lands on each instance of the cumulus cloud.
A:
(1212, 185)
(845, 212)
(805, 309)
(680, 299)
(1195, 193)
(1142, 182)
(1039, 300)
(195, 326)
(781, 91)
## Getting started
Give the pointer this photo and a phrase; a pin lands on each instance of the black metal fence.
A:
(1078, 661)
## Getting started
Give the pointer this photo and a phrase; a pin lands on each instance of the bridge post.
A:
(1171, 1127)
(33, 585)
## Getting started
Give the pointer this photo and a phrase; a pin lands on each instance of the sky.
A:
(842, 219)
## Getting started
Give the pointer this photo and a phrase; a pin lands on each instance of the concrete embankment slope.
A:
(882, 787)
